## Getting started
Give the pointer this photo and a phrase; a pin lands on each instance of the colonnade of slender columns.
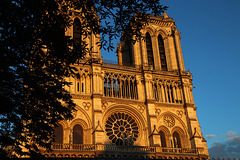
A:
(120, 86)
(167, 91)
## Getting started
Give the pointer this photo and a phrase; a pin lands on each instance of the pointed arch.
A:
(164, 136)
(163, 32)
(85, 120)
(183, 127)
(180, 138)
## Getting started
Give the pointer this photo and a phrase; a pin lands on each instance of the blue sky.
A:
(210, 31)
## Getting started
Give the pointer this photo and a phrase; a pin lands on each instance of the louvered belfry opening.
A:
(77, 36)
(149, 50)
(162, 54)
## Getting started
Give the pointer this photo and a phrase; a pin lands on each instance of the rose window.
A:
(121, 129)
(169, 120)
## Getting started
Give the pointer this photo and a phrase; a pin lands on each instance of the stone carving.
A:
(86, 105)
(104, 105)
(169, 120)
(157, 111)
(141, 108)
(179, 113)
(74, 114)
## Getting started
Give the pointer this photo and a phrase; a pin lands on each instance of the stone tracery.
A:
(167, 91)
(120, 86)
(122, 129)
(169, 120)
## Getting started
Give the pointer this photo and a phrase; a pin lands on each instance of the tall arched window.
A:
(163, 139)
(162, 53)
(149, 50)
(77, 134)
(58, 132)
(129, 55)
(176, 140)
(77, 35)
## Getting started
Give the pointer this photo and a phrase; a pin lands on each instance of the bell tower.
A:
(166, 83)
(82, 35)
(160, 49)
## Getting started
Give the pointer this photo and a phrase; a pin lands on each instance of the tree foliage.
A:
(36, 56)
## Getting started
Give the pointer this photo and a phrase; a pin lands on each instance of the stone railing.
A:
(125, 149)
(120, 67)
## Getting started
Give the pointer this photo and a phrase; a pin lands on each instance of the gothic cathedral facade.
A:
(141, 108)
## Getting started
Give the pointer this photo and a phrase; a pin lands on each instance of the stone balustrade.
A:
(125, 149)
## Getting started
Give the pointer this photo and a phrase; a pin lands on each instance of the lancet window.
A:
(149, 50)
(163, 139)
(162, 53)
(120, 86)
(58, 132)
(167, 91)
(77, 31)
(82, 83)
(77, 134)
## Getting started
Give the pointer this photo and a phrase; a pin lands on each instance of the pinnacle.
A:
(165, 14)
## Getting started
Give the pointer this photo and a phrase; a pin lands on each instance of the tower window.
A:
(77, 31)
(77, 134)
(162, 53)
(129, 51)
(149, 50)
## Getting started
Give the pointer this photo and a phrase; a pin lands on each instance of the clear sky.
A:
(210, 31)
